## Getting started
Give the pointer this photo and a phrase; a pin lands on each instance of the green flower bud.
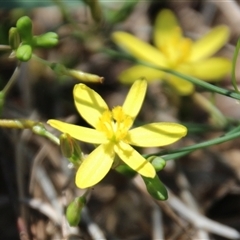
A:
(156, 188)
(71, 149)
(126, 170)
(73, 213)
(24, 53)
(39, 129)
(24, 26)
(157, 162)
(14, 38)
(46, 40)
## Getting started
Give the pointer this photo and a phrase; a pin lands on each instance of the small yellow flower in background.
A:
(112, 133)
(173, 51)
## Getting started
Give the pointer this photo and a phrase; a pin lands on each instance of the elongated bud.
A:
(156, 188)
(13, 38)
(24, 26)
(81, 76)
(71, 149)
(24, 53)
(46, 40)
(73, 213)
(84, 77)
(157, 162)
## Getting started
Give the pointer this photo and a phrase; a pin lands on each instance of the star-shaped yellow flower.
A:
(112, 133)
(173, 51)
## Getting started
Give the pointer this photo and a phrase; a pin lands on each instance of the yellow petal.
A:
(95, 167)
(209, 43)
(134, 160)
(166, 28)
(156, 134)
(89, 104)
(182, 86)
(212, 69)
(139, 49)
(134, 99)
(81, 133)
(140, 71)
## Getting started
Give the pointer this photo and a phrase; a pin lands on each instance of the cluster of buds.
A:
(23, 42)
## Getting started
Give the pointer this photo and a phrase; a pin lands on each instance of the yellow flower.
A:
(112, 133)
(173, 51)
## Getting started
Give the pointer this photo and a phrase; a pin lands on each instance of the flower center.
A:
(115, 124)
(177, 49)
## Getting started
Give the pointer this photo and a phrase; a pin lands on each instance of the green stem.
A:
(196, 81)
(44, 62)
(4, 47)
(218, 119)
(11, 81)
(235, 133)
(235, 56)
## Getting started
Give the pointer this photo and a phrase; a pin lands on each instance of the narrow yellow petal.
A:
(95, 167)
(135, 97)
(89, 104)
(139, 49)
(139, 71)
(134, 160)
(166, 28)
(182, 86)
(212, 69)
(156, 134)
(81, 133)
(209, 43)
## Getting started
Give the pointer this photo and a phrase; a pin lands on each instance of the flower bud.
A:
(71, 149)
(157, 162)
(73, 213)
(24, 53)
(156, 188)
(83, 76)
(126, 170)
(24, 27)
(46, 40)
(13, 38)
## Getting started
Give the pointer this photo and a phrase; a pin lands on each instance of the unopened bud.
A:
(14, 38)
(24, 53)
(84, 77)
(71, 149)
(24, 26)
(126, 170)
(156, 188)
(46, 40)
(81, 76)
(73, 213)
(157, 162)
